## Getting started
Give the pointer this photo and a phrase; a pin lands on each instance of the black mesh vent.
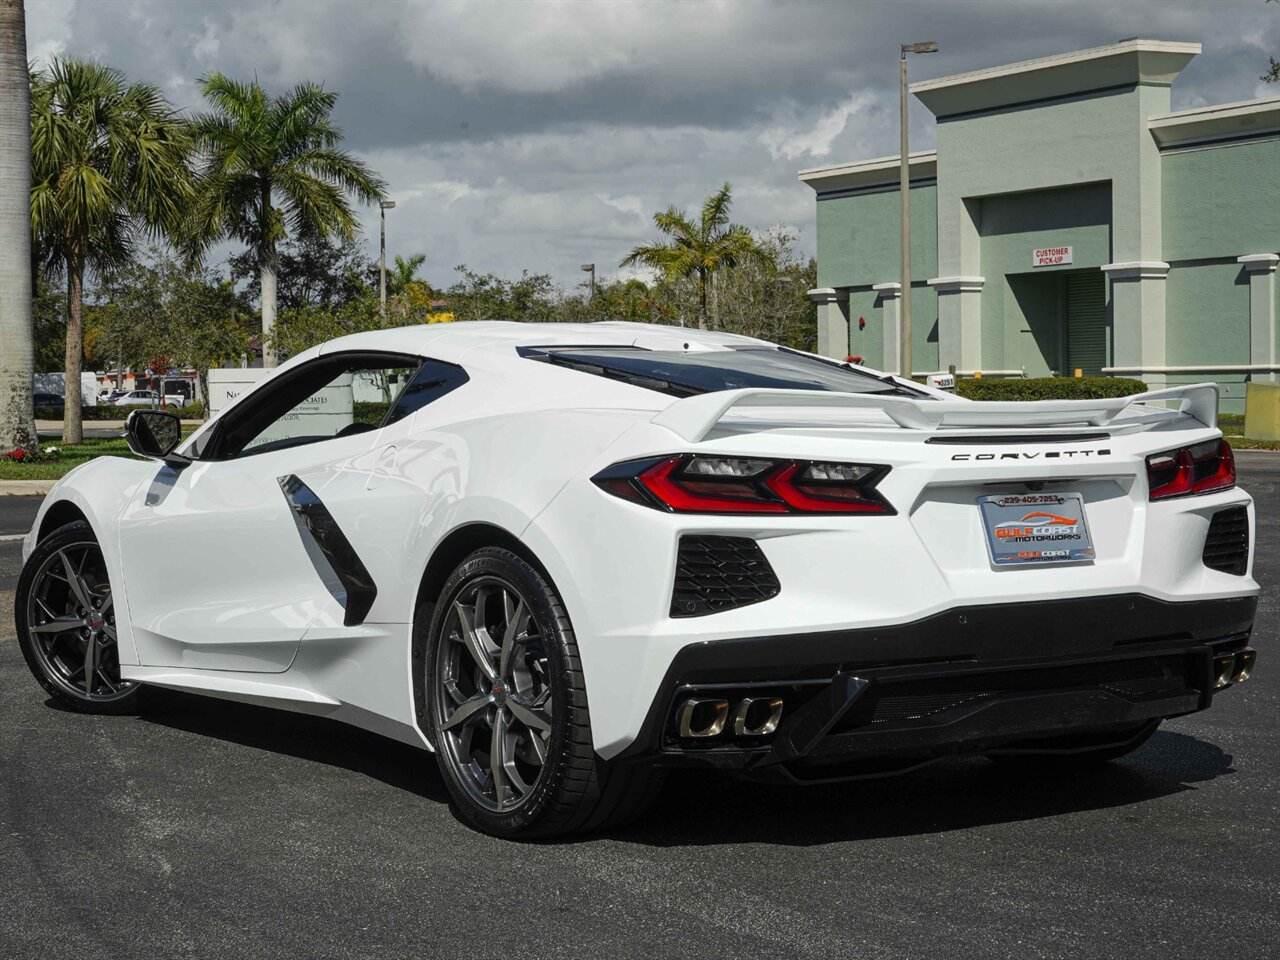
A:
(1226, 547)
(720, 573)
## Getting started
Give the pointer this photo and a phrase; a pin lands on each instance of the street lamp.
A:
(904, 187)
(382, 257)
(591, 269)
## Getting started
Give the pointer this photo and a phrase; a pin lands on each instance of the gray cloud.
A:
(538, 135)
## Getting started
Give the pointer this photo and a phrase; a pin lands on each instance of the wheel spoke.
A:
(75, 582)
(106, 604)
(539, 747)
(470, 711)
(517, 621)
(529, 715)
(58, 625)
(91, 662)
(498, 758)
(472, 640)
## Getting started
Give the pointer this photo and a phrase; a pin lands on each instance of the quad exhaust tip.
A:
(1229, 668)
(704, 717)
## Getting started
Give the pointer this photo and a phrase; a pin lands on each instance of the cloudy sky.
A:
(540, 135)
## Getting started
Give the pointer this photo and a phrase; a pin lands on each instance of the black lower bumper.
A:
(981, 679)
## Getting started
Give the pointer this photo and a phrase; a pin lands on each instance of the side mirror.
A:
(154, 434)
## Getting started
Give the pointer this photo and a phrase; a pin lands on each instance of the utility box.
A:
(1262, 411)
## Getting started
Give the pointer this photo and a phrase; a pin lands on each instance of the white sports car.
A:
(567, 557)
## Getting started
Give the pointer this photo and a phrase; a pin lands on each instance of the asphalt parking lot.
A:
(205, 828)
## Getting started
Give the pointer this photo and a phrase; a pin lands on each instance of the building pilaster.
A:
(959, 321)
(1261, 268)
(890, 303)
(833, 321)
(1137, 316)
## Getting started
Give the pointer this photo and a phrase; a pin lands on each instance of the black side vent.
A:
(1226, 547)
(720, 573)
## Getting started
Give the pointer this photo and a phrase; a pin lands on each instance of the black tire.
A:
(1073, 754)
(573, 790)
(46, 596)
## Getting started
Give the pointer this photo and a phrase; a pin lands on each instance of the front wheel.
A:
(65, 614)
(507, 707)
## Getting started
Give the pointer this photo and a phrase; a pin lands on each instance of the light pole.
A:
(382, 257)
(904, 187)
(591, 269)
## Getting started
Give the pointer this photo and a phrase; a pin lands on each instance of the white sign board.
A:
(328, 410)
(941, 381)
(1051, 257)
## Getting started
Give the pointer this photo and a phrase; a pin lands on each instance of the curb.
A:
(25, 488)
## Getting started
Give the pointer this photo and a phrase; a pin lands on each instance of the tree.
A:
(487, 296)
(699, 249)
(313, 270)
(109, 159)
(273, 165)
(404, 273)
(17, 351)
(158, 307)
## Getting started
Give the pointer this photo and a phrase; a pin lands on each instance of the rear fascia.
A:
(615, 561)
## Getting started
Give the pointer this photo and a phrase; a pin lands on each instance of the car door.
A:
(220, 572)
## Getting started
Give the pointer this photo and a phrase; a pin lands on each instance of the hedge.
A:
(1049, 388)
(192, 411)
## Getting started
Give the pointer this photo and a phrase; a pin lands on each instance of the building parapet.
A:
(882, 171)
(1228, 121)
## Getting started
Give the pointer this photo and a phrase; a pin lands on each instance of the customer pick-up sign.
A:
(1051, 257)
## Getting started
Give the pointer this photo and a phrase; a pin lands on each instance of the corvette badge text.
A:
(1046, 454)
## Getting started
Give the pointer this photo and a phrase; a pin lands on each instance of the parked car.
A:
(137, 398)
(571, 556)
(109, 396)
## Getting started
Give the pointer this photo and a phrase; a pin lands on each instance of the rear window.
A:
(684, 373)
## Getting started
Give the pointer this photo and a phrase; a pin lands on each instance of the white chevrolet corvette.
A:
(567, 557)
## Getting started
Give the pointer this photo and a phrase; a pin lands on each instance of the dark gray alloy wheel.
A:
(65, 615)
(493, 694)
(507, 707)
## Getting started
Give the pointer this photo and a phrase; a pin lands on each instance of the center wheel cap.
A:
(499, 692)
(94, 623)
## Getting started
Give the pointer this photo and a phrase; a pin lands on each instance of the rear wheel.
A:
(65, 614)
(507, 707)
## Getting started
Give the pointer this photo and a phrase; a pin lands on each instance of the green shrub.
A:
(192, 411)
(370, 412)
(1049, 388)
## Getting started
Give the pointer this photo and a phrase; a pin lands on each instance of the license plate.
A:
(1036, 528)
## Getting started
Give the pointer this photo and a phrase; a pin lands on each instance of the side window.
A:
(329, 397)
(353, 401)
(433, 380)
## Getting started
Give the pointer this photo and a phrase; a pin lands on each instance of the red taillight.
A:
(690, 483)
(1199, 468)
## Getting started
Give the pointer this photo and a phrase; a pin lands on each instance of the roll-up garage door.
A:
(1086, 322)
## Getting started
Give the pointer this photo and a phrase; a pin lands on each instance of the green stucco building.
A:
(1067, 220)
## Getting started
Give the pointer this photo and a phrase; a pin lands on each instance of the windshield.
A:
(684, 373)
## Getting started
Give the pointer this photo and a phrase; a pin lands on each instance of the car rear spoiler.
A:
(694, 417)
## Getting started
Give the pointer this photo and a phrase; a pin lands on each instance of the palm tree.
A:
(699, 249)
(273, 165)
(109, 160)
(17, 428)
(404, 272)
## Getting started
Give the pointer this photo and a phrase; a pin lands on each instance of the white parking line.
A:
(12, 536)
